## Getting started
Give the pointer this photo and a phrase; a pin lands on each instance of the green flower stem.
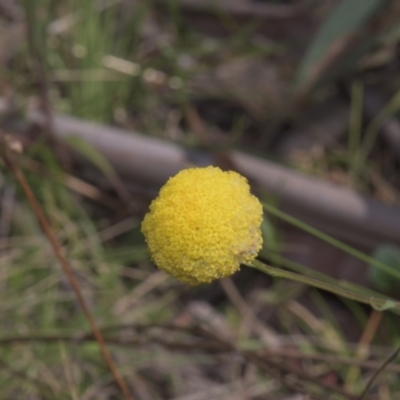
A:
(307, 271)
(379, 304)
(328, 239)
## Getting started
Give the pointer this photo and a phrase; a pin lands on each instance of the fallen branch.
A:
(336, 210)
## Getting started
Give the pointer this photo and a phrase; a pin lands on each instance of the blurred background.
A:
(108, 99)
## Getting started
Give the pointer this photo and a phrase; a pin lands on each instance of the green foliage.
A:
(389, 255)
(349, 17)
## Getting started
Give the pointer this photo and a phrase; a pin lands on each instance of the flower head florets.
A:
(203, 224)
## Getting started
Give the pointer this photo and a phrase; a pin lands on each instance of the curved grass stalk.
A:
(332, 241)
(378, 303)
(296, 267)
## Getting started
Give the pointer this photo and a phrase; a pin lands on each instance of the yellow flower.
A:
(203, 224)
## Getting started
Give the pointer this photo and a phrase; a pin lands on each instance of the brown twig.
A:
(391, 358)
(335, 210)
(206, 346)
(327, 358)
(278, 374)
(20, 177)
(302, 376)
(368, 334)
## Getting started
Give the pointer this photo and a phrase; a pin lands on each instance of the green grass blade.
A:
(346, 19)
(329, 239)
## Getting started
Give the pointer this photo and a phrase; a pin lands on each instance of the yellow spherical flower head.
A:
(203, 224)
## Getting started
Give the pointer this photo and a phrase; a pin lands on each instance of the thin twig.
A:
(327, 358)
(20, 177)
(278, 374)
(375, 318)
(302, 376)
(267, 354)
(391, 358)
(338, 210)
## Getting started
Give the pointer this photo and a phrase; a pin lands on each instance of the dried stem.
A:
(18, 174)
(210, 346)
(391, 358)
